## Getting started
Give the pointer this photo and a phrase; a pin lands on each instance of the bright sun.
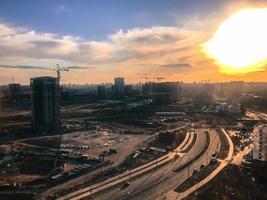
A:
(240, 43)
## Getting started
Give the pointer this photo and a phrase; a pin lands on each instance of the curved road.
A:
(161, 180)
(178, 196)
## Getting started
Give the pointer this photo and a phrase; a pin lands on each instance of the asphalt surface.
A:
(178, 196)
(158, 182)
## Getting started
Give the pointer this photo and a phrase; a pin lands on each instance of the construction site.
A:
(161, 141)
(133, 100)
(84, 148)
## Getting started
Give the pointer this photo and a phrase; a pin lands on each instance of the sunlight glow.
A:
(240, 43)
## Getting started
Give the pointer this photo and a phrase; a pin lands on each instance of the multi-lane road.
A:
(157, 181)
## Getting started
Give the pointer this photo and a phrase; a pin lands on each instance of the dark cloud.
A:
(46, 44)
(154, 74)
(158, 39)
(79, 67)
(177, 65)
(126, 54)
(185, 59)
(39, 67)
(22, 67)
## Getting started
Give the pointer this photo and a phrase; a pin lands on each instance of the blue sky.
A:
(95, 19)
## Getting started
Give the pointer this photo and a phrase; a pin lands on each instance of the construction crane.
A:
(159, 79)
(59, 69)
(147, 78)
(205, 81)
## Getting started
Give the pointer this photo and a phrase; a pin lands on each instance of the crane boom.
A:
(59, 69)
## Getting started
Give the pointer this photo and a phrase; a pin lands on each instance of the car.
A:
(214, 154)
(195, 171)
(213, 160)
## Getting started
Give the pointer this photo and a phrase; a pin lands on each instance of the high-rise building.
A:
(260, 142)
(119, 88)
(101, 91)
(205, 94)
(14, 91)
(166, 93)
(230, 91)
(147, 89)
(45, 104)
(129, 90)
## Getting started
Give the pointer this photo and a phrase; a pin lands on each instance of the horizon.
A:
(136, 83)
(133, 99)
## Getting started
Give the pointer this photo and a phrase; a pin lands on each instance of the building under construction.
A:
(166, 92)
(101, 91)
(259, 150)
(45, 104)
(119, 88)
(14, 91)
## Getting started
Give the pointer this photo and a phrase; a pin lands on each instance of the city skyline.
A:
(119, 38)
(133, 99)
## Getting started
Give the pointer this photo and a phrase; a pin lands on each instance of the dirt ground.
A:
(235, 183)
(103, 141)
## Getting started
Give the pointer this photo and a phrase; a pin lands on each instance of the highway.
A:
(179, 196)
(159, 181)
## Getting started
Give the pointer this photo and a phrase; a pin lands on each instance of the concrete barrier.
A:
(191, 138)
(184, 142)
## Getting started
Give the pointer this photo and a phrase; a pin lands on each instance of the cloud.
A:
(135, 44)
(177, 65)
(60, 9)
(39, 67)
(157, 35)
(22, 67)
(156, 49)
(79, 67)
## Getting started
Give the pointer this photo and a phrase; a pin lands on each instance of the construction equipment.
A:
(205, 81)
(159, 77)
(58, 70)
(147, 78)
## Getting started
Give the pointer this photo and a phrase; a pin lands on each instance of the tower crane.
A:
(159, 79)
(205, 81)
(59, 69)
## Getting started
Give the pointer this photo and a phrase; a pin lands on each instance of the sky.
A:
(102, 39)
